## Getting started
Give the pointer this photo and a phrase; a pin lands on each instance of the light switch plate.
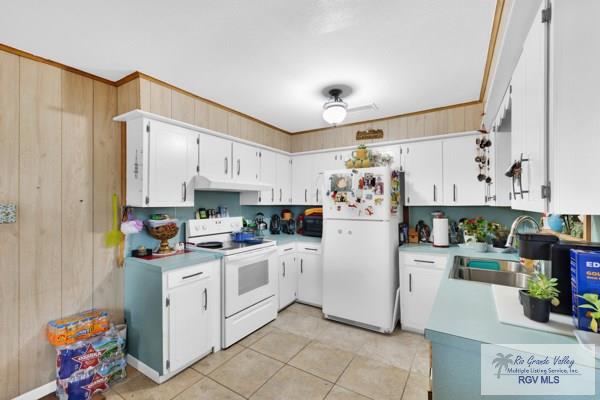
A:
(8, 213)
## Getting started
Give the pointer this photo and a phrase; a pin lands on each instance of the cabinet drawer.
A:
(286, 249)
(309, 248)
(424, 260)
(189, 274)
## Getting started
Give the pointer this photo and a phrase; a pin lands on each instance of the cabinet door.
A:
(288, 280)
(172, 161)
(320, 163)
(418, 288)
(246, 162)
(392, 151)
(423, 173)
(189, 323)
(283, 193)
(301, 179)
(215, 157)
(461, 187)
(268, 174)
(310, 281)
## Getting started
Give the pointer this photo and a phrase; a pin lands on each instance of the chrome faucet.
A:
(510, 240)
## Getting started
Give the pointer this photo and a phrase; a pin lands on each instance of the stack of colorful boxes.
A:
(90, 354)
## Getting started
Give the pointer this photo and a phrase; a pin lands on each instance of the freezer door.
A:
(362, 194)
(360, 274)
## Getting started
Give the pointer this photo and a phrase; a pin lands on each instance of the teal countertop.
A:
(175, 261)
(467, 309)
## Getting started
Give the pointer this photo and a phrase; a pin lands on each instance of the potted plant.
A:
(541, 292)
(594, 309)
(475, 233)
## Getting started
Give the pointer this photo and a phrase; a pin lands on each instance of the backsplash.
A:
(502, 215)
(202, 199)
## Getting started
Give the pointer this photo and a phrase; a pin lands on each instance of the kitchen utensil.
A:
(208, 245)
(114, 235)
(275, 224)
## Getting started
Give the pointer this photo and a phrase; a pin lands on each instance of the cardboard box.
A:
(585, 279)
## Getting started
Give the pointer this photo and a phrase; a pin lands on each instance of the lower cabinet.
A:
(310, 281)
(173, 317)
(300, 274)
(288, 275)
(420, 277)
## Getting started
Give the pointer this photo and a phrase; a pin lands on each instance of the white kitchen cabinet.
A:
(395, 151)
(173, 317)
(288, 275)
(246, 162)
(310, 281)
(283, 179)
(423, 173)
(215, 157)
(302, 179)
(528, 141)
(460, 184)
(420, 277)
(162, 160)
(267, 174)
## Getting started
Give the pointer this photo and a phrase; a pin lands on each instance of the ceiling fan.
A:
(335, 109)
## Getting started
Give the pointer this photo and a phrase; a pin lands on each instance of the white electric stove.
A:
(249, 275)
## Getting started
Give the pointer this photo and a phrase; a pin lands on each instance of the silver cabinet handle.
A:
(192, 275)
(239, 165)
(205, 298)
(454, 192)
(410, 282)
(184, 191)
(434, 194)
(284, 269)
(272, 195)
(280, 195)
(301, 266)
(317, 196)
(226, 166)
(311, 248)
(424, 261)
(305, 195)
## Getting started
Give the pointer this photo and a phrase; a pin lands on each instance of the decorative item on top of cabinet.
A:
(369, 134)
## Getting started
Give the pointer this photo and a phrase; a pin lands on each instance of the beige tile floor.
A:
(299, 356)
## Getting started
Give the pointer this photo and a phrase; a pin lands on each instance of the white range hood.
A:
(207, 182)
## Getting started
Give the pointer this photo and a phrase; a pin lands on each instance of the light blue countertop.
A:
(467, 309)
(175, 261)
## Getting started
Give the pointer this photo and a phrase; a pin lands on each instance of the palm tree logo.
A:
(502, 361)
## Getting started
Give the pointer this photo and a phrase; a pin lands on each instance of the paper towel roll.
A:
(440, 232)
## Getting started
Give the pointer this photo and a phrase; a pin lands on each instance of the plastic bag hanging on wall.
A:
(8, 213)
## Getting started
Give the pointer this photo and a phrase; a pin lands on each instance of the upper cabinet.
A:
(423, 173)
(460, 171)
(395, 152)
(528, 139)
(215, 156)
(246, 162)
(283, 189)
(162, 160)
(302, 178)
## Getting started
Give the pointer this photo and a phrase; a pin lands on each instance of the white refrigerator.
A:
(361, 213)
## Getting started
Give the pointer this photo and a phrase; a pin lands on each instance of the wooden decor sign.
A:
(369, 134)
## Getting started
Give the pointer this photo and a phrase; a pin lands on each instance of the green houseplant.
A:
(541, 292)
(594, 309)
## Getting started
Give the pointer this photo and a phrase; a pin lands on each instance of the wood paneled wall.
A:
(154, 96)
(440, 122)
(59, 162)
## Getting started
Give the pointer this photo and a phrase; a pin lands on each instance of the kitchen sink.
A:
(490, 270)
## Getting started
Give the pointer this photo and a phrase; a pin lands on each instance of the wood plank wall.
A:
(153, 96)
(450, 120)
(59, 162)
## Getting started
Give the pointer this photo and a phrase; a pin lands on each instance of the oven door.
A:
(250, 277)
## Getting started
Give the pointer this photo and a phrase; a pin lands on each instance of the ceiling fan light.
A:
(334, 112)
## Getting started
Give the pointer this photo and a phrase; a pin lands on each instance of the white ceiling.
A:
(271, 58)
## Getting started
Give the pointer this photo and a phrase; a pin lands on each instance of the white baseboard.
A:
(39, 392)
(146, 370)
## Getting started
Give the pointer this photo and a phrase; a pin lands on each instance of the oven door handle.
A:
(251, 256)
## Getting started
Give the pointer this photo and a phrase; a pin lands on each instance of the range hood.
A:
(207, 182)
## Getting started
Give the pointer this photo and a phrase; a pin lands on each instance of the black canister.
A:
(536, 246)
